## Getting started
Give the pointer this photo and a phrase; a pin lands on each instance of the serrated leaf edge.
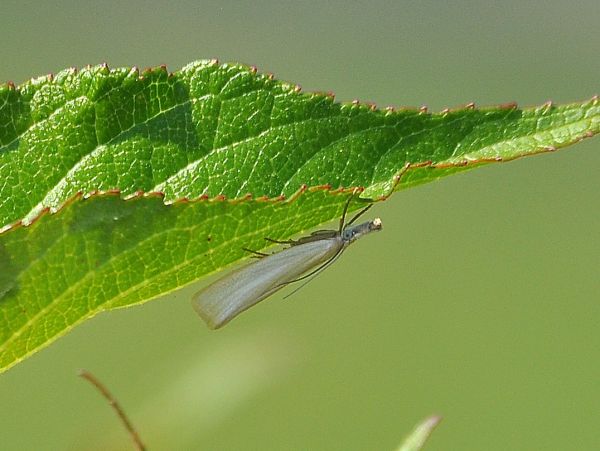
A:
(79, 196)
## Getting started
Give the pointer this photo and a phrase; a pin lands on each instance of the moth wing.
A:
(224, 299)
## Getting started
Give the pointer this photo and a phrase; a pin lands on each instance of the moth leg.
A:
(343, 218)
(271, 240)
(257, 254)
(323, 232)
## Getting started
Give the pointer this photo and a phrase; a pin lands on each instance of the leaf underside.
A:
(209, 132)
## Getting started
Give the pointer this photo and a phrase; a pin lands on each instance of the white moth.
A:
(239, 290)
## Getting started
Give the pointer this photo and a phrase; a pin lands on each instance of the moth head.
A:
(350, 234)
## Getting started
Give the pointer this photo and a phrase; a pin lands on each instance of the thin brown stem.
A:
(116, 407)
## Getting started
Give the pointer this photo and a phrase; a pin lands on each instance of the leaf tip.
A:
(434, 420)
(417, 439)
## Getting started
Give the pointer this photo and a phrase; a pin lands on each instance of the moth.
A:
(224, 299)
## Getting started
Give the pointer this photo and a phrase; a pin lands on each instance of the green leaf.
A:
(209, 131)
(416, 440)
(103, 253)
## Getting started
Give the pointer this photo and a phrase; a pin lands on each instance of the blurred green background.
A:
(479, 301)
